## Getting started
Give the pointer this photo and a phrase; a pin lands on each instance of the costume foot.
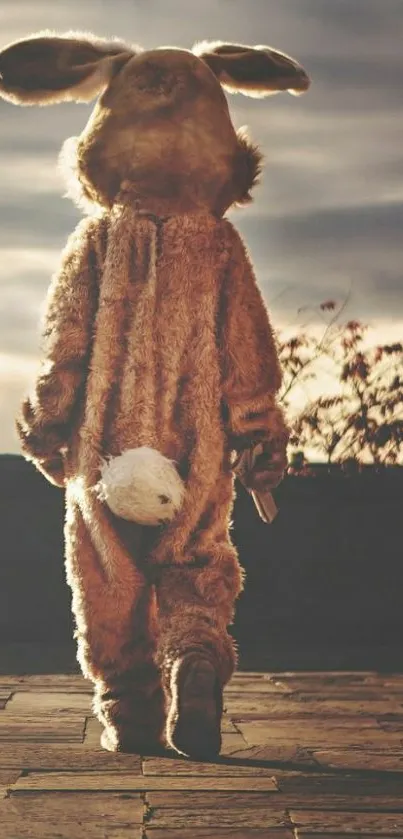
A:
(194, 719)
(131, 744)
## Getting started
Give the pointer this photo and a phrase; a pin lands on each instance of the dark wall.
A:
(34, 598)
(324, 581)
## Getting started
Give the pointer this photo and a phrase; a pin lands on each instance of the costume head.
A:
(161, 125)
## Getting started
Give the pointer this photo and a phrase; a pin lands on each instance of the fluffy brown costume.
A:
(156, 335)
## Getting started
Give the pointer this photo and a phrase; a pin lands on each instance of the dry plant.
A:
(362, 422)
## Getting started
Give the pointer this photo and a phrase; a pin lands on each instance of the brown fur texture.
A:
(156, 334)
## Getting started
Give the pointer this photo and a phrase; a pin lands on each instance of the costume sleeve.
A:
(45, 421)
(251, 373)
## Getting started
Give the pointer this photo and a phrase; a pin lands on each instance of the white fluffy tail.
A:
(141, 485)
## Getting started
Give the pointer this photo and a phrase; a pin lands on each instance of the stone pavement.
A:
(305, 755)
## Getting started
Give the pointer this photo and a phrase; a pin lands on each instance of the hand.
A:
(42, 441)
(268, 470)
(42, 445)
(261, 467)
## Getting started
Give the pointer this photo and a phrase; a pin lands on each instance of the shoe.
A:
(138, 745)
(194, 718)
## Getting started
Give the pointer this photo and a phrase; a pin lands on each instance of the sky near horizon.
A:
(327, 218)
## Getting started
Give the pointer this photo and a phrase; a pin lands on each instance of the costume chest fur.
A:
(154, 375)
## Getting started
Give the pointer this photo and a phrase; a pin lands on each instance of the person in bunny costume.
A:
(159, 363)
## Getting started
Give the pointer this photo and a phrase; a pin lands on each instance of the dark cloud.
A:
(348, 224)
(359, 18)
(44, 219)
(375, 73)
(316, 255)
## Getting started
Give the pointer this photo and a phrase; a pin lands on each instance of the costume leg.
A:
(116, 642)
(195, 652)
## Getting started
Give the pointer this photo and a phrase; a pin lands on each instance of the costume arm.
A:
(251, 373)
(44, 423)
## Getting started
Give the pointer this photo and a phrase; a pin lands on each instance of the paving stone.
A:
(188, 768)
(196, 810)
(318, 733)
(375, 760)
(108, 781)
(49, 702)
(71, 815)
(261, 707)
(56, 728)
(48, 682)
(63, 756)
(219, 833)
(318, 823)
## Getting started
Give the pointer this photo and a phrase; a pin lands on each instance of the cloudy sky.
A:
(327, 217)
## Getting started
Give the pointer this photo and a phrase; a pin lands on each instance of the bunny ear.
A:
(45, 69)
(254, 71)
